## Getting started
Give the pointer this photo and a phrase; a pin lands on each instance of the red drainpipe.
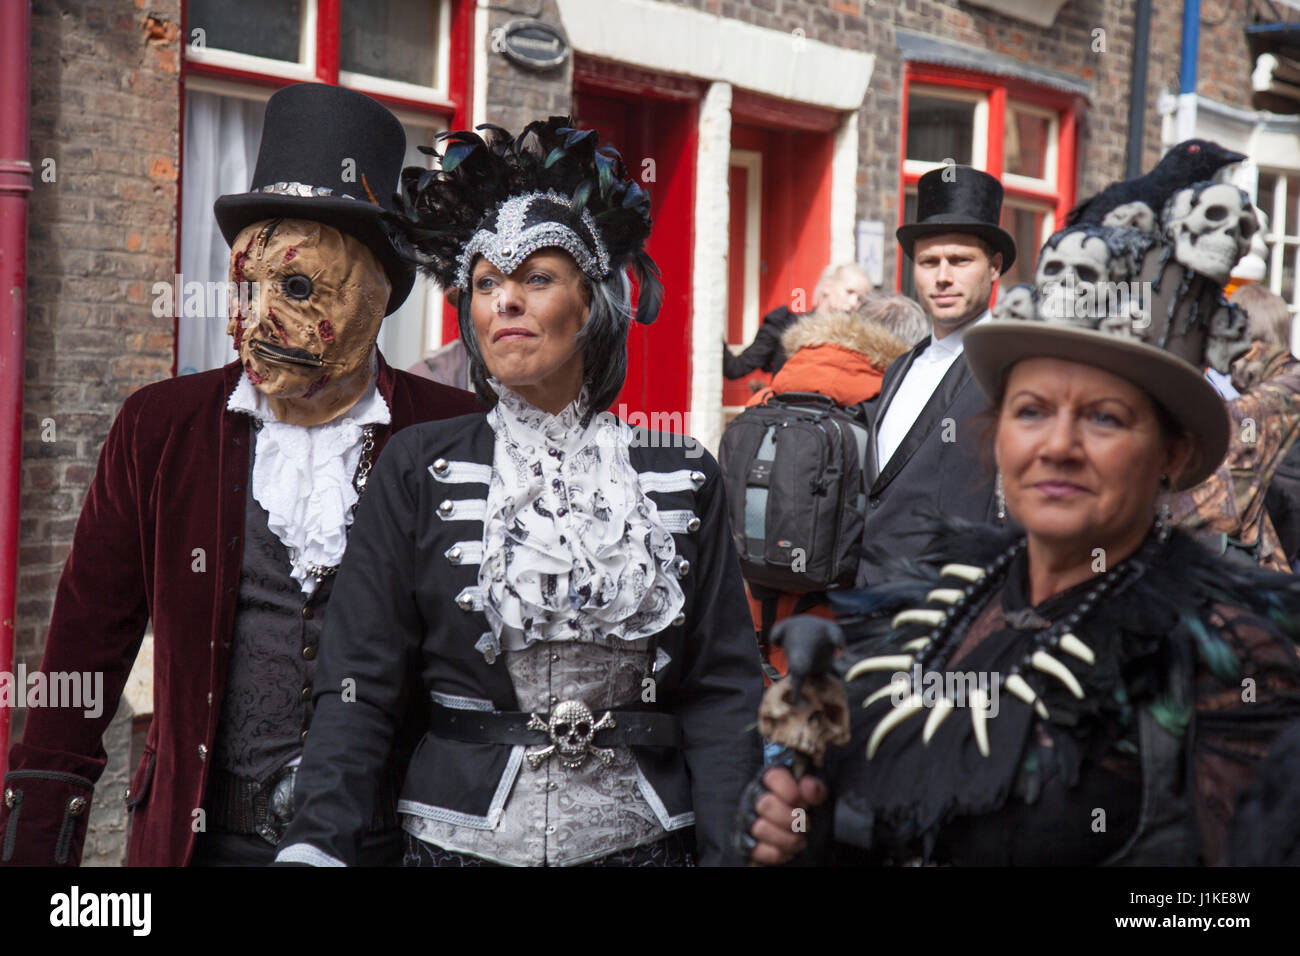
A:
(15, 184)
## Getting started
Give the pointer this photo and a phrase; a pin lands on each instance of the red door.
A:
(794, 227)
(657, 139)
(744, 271)
(796, 211)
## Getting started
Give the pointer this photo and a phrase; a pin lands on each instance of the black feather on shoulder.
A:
(904, 583)
(1265, 829)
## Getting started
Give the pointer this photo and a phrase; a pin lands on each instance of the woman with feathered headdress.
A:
(544, 601)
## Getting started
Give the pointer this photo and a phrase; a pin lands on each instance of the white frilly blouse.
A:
(572, 548)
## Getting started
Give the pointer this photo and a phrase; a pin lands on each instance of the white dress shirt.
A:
(918, 384)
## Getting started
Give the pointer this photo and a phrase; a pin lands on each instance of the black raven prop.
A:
(1191, 161)
(810, 645)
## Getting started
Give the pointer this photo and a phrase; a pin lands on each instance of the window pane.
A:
(1026, 227)
(1024, 143)
(255, 27)
(394, 39)
(939, 129)
(908, 287)
(1264, 198)
(1292, 225)
(1288, 273)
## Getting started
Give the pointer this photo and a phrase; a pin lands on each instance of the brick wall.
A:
(1165, 60)
(105, 111)
(516, 96)
(1224, 63)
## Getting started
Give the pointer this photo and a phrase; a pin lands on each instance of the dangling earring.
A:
(1000, 499)
(1164, 522)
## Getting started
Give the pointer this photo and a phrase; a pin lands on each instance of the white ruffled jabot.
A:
(572, 548)
(302, 476)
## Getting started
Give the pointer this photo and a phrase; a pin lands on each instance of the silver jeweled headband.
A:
(512, 242)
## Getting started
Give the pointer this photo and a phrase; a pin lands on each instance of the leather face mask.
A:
(319, 299)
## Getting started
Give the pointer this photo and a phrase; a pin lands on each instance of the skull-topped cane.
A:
(806, 711)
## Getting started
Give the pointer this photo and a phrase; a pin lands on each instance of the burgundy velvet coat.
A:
(170, 481)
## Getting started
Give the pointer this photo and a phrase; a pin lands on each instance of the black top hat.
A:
(959, 199)
(313, 137)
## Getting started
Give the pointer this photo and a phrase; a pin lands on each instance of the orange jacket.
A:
(840, 356)
(831, 370)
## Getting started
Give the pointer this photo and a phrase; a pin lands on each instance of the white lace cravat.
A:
(302, 476)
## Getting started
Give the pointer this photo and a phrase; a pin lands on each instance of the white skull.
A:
(1227, 339)
(1132, 215)
(1078, 260)
(1129, 320)
(1253, 266)
(1015, 303)
(1211, 226)
(820, 720)
(572, 726)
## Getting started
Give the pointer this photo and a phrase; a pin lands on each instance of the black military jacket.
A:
(405, 616)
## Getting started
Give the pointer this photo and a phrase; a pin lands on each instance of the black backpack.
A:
(793, 473)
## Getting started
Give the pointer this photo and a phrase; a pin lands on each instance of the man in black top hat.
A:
(220, 509)
(923, 454)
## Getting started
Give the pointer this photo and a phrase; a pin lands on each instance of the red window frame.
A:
(455, 109)
(999, 90)
(460, 77)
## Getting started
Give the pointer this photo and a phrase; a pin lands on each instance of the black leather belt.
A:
(631, 728)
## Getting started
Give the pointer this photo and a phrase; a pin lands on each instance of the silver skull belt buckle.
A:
(572, 727)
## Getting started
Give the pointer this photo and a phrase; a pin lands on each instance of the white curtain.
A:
(222, 134)
(417, 325)
(221, 138)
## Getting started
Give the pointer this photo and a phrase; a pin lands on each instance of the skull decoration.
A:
(572, 728)
(1128, 319)
(1132, 215)
(810, 727)
(1227, 339)
(1016, 303)
(1253, 266)
(1211, 225)
(1071, 267)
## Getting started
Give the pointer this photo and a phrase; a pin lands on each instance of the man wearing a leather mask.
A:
(220, 510)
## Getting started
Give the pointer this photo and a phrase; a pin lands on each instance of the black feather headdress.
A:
(505, 197)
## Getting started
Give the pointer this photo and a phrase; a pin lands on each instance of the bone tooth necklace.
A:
(949, 631)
